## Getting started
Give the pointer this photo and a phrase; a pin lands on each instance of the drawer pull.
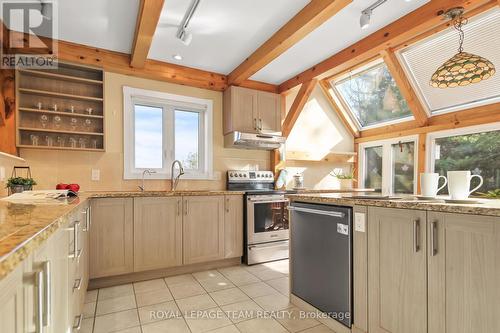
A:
(434, 240)
(47, 293)
(78, 323)
(39, 301)
(77, 285)
(416, 235)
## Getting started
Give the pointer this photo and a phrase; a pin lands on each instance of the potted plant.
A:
(493, 194)
(346, 180)
(20, 184)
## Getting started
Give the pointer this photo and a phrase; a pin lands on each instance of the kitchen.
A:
(153, 181)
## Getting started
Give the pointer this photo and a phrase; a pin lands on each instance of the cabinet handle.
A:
(75, 254)
(46, 269)
(416, 235)
(186, 208)
(179, 207)
(77, 284)
(260, 124)
(78, 324)
(39, 301)
(87, 220)
(255, 123)
(434, 240)
(227, 205)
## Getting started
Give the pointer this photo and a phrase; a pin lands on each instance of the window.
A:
(160, 128)
(371, 96)
(481, 36)
(389, 166)
(476, 149)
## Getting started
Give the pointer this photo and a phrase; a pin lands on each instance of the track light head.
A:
(364, 20)
(186, 37)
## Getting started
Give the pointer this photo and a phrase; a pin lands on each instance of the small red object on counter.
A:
(72, 187)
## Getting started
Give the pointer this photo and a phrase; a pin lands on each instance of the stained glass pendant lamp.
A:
(463, 68)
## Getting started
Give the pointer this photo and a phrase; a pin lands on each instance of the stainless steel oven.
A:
(267, 218)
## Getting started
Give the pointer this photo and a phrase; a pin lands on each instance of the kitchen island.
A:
(417, 266)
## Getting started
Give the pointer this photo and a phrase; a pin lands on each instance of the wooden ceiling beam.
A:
(308, 19)
(344, 118)
(413, 24)
(298, 105)
(147, 21)
(485, 114)
(117, 62)
(405, 87)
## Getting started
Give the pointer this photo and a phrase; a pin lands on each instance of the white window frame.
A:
(387, 159)
(342, 103)
(431, 139)
(169, 103)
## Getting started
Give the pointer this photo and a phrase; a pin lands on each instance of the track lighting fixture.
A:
(184, 36)
(364, 20)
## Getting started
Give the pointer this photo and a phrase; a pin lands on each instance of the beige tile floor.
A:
(227, 300)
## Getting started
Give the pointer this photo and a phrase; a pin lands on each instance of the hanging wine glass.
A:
(89, 111)
(44, 120)
(57, 122)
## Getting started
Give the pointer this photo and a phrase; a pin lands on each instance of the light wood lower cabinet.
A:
(203, 229)
(397, 279)
(233, 226)
(157, 233)
(463, 273)
(12, 310)
(111, 239)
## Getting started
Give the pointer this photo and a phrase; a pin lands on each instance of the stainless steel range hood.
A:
(263, 141)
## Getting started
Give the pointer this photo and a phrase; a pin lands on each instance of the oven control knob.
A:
(241, 175)
(244, 175)
(230, 175)
(258, 175)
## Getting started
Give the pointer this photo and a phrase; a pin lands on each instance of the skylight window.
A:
(371, 96)
(420, 60)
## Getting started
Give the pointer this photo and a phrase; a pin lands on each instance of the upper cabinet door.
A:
(111, 237)
(244, 111)
(203, 229)
(269, 114)
(157, 233)
(464, 273)
(397, 266)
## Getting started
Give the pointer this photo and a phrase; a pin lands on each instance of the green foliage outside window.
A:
(373, 96)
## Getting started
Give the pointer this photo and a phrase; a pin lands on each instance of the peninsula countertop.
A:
(487, 207)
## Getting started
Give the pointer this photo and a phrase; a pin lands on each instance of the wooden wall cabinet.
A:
(157, 233)
(111, 239)
(251, 111)
(233, 226)
(463, 273)
(203, 229)
(397, 281)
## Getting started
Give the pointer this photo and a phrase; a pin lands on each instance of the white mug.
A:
(459, 184)
(429, 183)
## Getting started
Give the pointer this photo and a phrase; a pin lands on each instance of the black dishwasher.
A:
(321, 258)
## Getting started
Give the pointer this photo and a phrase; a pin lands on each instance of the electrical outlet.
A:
(360, 222)
(96, 174)
(2, 174)
(217, 175)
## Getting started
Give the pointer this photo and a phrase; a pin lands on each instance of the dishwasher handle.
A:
(316, 211)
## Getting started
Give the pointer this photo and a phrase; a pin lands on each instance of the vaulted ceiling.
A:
(225, 32)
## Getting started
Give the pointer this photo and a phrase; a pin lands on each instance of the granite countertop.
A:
(23, 227)
(135, 194)
(488, 207)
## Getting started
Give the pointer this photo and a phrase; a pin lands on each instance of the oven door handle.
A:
(316, 211)
(268, 201)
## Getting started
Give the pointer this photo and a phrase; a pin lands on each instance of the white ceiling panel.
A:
(225, 32)
(107, 24)
(333, 36)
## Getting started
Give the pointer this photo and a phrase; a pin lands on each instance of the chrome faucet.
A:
(181, 172)
(149, 172)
